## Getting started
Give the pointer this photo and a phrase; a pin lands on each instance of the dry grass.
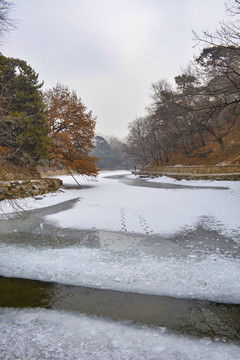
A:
(10, 171)
(212, 153)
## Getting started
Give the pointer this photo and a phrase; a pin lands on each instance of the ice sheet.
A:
(213, 277)
(46, 334)
(112, 205)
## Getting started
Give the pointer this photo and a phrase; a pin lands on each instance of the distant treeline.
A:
(110, 154)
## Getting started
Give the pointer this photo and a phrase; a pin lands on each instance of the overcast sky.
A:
(110, 51)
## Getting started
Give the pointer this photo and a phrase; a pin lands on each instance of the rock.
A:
(24, 188)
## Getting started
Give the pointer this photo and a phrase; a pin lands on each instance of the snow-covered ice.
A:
(141, 225)
(112, 205)
(151, 264)
(212, 277)
(46, 334)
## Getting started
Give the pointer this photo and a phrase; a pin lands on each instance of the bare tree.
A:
(146, 143)
(170, 115)
(216, 109)
(6, 22)
(135, 143)
(228, 33)
(203, 107)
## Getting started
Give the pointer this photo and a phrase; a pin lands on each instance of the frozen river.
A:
(153, 260)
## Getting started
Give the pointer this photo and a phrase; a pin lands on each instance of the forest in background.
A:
(196, 121)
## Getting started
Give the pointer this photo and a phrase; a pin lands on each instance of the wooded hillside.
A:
(198, 119)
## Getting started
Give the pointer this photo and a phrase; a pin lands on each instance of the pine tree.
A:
(23, 123)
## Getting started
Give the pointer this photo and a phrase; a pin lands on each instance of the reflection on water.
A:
(33, 229)
(192, 317)
(199, 241)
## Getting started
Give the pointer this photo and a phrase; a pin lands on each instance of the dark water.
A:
(161, 185)
(191, 317)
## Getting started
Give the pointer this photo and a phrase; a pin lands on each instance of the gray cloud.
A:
(110, 51)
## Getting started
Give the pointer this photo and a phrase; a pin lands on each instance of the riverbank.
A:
(16, 189)
(193, 172)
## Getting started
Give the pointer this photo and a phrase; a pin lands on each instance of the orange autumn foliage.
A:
(72, 131)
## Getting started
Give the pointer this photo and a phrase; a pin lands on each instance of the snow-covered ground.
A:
(146, 240)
